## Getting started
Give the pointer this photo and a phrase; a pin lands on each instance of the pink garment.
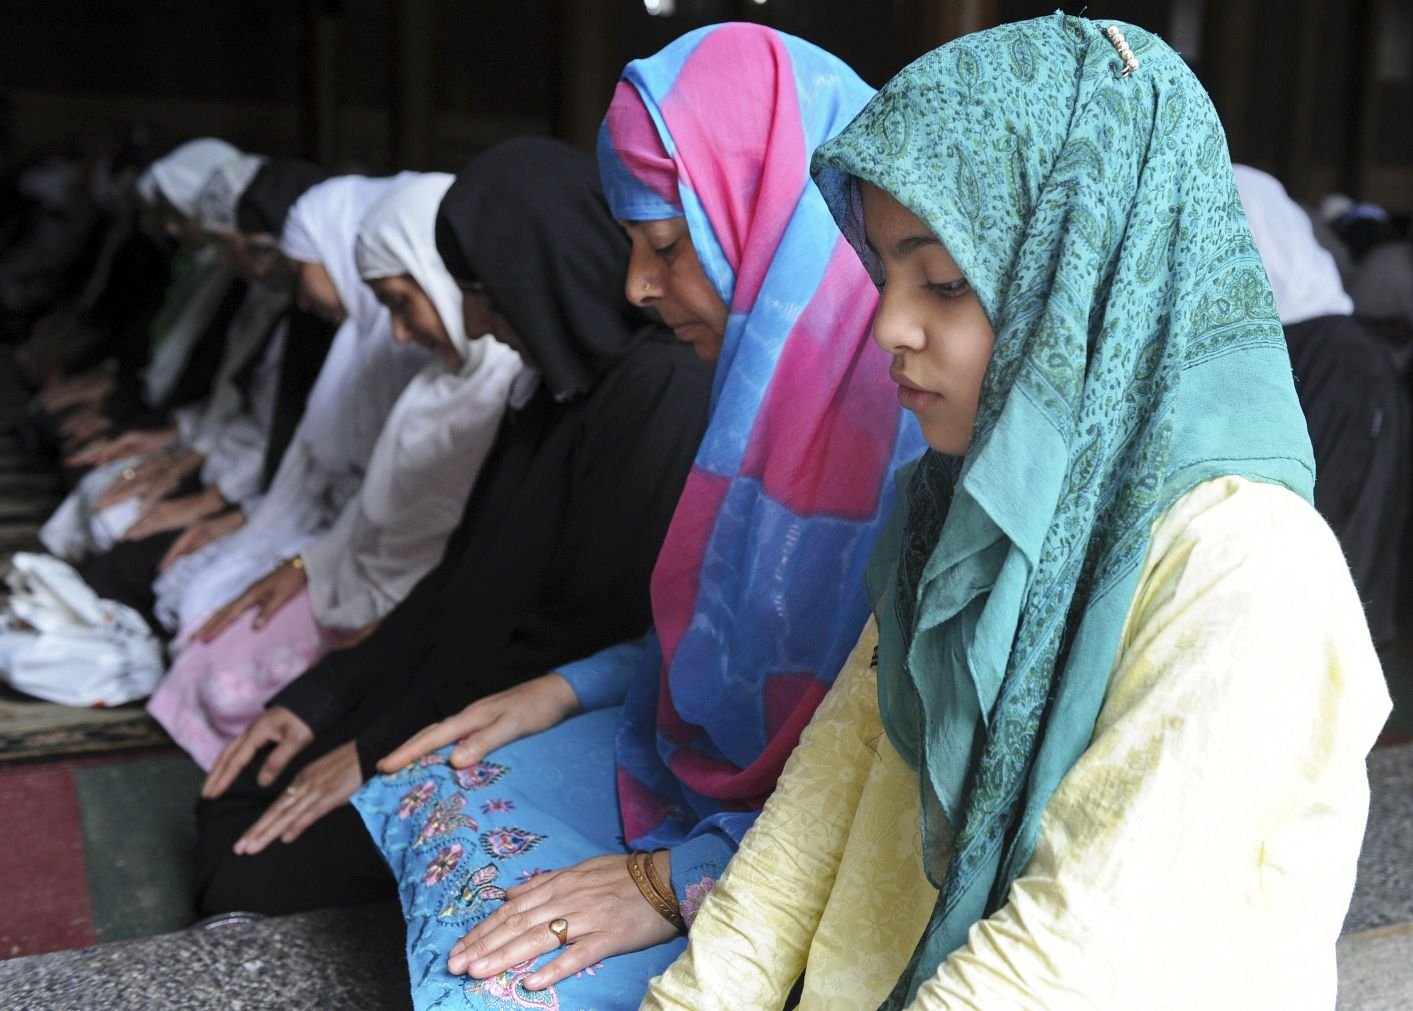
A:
(758, 592)
(217, 689)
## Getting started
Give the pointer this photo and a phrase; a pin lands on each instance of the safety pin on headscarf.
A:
(1125, 53)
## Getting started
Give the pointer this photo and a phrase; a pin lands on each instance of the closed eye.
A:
(949, 289)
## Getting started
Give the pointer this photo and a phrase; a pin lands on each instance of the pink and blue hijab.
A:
(758, 593)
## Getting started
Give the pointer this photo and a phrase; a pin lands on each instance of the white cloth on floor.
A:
(59, 641)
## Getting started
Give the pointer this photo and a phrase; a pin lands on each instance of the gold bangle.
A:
(666, 911)
(664, 891)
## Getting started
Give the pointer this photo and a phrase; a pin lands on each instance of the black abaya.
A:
(1358, 415)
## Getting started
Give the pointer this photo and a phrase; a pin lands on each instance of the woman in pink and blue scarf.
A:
(569, 827)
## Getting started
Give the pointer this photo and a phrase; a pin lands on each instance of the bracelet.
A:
(664, 891)
(666, 908)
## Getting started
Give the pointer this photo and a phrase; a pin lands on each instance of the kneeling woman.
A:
(757, 596)
(1111, 752)
(376, 476)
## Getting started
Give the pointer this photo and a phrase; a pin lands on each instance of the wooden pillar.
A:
(321, 105)
(1301, 112)
(586, 40)
(413, 83)
(1226, 59)
(1362, 109)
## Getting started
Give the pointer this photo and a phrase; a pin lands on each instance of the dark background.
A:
(1316, 91)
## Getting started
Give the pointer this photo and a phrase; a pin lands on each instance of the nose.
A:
(894, 329)
(641, 284)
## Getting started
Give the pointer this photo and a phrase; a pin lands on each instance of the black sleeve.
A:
(632, 458)
(337, 684)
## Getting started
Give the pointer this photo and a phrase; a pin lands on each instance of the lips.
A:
(911, 396)
(681, 329)
(905, 382)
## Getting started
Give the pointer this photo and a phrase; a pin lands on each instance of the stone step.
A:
(334, 958)
(1376, 969)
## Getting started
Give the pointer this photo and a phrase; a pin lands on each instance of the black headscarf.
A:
(265, 204)
(528, 220)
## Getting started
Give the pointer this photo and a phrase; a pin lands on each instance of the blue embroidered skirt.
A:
(456, 839)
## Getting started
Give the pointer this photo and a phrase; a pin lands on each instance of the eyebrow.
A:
(904, 247)
(913, 243)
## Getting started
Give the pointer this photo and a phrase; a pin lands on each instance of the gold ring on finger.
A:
(560, 929)
(293, 790)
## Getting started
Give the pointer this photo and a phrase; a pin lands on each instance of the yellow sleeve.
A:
(1201, 853)
(749, 941)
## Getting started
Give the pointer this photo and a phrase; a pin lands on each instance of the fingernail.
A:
(533, 983)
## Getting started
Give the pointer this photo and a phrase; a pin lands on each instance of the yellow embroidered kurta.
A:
(1200, 854)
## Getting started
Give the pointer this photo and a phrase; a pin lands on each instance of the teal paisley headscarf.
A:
(1137, 353)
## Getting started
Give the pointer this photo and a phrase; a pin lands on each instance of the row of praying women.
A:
(843, 550)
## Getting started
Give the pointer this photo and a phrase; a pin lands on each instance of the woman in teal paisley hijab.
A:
(1102, 587)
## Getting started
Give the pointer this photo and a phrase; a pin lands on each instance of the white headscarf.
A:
(365, 370)
(435, 440)
(359, 381)
(215, 206)
(1303, 274)
(181, 175)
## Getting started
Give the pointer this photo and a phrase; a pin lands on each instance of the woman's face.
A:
(414, 318)
(480, 316)
(665, 274)
(255, 258)
(315, 292)
(177, 226)
(930, 321)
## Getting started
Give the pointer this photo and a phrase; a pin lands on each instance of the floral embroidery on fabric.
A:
(413, 768)
(531, 873)
(476, 891)
(445, 818)
(480, 775)
(589, 970)
(443, 864)
(697, 892)
(498, 807)
(507, 990)
(502, 843)
(415, 799)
